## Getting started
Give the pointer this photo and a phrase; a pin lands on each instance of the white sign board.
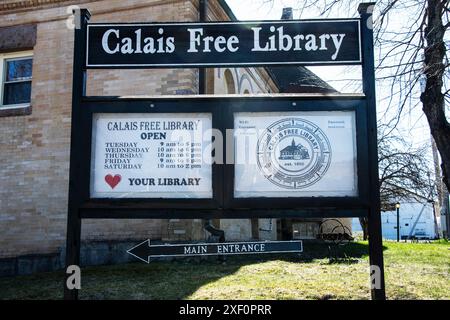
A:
(151, 155)
(295, 154)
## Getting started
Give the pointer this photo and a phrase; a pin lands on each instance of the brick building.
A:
(36, 54)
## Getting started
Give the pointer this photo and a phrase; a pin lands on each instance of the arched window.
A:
(229, 81)
(245, 84)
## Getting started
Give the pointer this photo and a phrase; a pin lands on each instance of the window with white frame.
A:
(15, 74)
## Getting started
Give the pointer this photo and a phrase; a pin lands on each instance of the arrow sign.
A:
(144, 251)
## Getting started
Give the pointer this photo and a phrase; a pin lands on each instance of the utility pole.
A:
(397, 206)
(445, 211)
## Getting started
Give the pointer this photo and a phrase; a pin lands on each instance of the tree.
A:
(411, 59)
(404, 172)
(411, 55)
(436, 66)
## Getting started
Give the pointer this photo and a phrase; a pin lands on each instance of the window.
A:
(15, 75)
(305, 230)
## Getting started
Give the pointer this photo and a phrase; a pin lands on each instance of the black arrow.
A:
(144, 251)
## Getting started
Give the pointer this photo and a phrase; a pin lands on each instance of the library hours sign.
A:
(141, 155)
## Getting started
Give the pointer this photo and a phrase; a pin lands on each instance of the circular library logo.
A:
(293, 153)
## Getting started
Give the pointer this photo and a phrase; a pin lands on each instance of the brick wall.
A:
(34, 149)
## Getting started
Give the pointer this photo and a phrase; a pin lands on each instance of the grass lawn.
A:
(413, 271)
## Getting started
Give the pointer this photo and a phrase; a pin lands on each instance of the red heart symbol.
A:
(113, 181)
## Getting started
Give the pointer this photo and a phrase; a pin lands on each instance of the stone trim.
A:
(15, 5)
(17, 38)
(14, 112)
(92, 253)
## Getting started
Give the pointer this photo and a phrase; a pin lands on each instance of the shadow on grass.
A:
(335, 253)
(177, 279)
(345, 253)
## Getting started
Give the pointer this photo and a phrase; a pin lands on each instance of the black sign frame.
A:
(81, 132)
(93, 105)
(223, 204)
(184, 59)
(356, 104)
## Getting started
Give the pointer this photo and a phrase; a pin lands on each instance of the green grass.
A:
(413, 271)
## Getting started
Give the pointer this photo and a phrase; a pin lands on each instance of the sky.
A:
(413, 125)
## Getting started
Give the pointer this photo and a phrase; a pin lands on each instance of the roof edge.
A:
(227, 10)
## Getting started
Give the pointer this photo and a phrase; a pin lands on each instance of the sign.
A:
(144, 251)
(159, 155)
(305, 149)
(295, 154)
(224, 43)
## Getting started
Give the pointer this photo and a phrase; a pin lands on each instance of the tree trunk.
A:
(437, 174)
(432, 98)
